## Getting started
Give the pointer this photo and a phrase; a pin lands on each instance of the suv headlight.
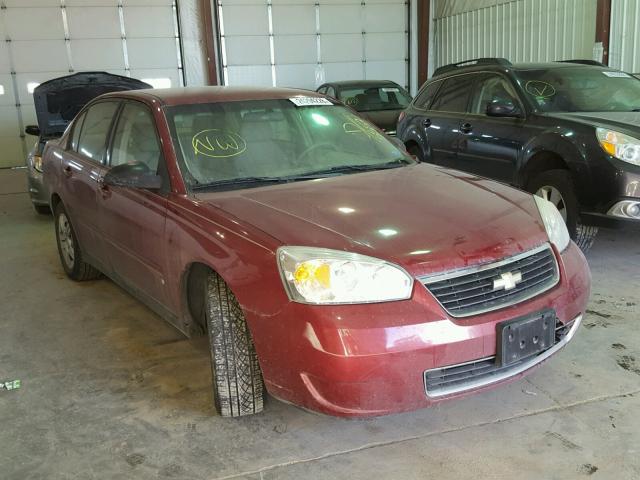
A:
(619, 145)
(323, 276)
(553, 223)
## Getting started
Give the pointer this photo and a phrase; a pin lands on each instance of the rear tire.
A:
(69, 249)
(42, 209)
(557, 187)
(237, 380)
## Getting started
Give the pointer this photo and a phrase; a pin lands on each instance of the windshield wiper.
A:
(635, 109)
(232, 182)
(356, 168)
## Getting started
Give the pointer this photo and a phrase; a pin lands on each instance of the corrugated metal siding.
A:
(521, 31)
(624, 41)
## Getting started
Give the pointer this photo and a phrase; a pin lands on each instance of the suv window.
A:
(135, 139)
(491, 89)
(93, 135)
(454, 94)
(424, 98)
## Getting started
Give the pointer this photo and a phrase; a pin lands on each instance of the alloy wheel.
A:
(65, 237)
(553, 195)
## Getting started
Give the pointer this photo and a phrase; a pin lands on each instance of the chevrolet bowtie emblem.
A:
(507, 281)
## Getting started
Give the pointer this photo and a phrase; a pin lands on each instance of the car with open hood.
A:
(57, 102)
(322, 261)
(379, 101)
(568, 131)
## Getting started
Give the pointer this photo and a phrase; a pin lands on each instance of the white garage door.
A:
(51, 38)
(303, 43)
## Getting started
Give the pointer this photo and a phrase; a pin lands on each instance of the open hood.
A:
(59, 100)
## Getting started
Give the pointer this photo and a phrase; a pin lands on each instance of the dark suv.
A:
(568, 131)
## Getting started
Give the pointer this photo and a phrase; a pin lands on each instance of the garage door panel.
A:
(39, 55)
(29, 118)
(341, 18)
(24, 79)
(385, 46)
(7, 96)
(32, 3)
(341, 48)
(248, 50)
(91, 3)
(97, 54)
(245, 20)
(297, 76)
(94, 22)
(155, 21)
(5, 65)
(393, 70)
(294, 19)
(11, 153)
(157, 77)
(295, 49)
(9, 121)
(342, 71)
(44, 23)
(381, 18)
(152, 53)
(250, 75)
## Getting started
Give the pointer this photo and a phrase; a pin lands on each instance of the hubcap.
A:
(67, 247)
(553, 195)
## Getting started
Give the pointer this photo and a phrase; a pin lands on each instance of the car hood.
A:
(59, 100)
(421, 217)
(384, 119)
(625, 121)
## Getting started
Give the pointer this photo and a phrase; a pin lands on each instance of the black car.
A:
(57, 102)
(569, 132)
(379, 101)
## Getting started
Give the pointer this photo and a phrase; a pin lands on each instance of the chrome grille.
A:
(482, 289)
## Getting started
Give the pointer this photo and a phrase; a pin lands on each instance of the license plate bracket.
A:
(525, 336)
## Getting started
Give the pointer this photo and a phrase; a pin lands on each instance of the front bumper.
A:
(368, 360)
(37, 190)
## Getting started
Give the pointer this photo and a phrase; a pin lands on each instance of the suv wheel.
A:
(69, 249)
(237, 379)
(557, 187)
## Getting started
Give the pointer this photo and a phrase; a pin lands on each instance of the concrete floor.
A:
(109, 391)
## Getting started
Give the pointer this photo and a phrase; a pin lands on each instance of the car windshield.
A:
(367, 99)
(247, 143)
(581, 89)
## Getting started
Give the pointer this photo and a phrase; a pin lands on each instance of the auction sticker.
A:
(309, 101)
(617, 74)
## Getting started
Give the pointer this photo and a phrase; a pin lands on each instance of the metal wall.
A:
(520, 31)
(624, 39)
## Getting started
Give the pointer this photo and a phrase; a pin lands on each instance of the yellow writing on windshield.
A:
(217, 143)
(357, 125)
(540, 89)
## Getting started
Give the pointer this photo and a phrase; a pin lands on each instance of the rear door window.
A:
(92, 142)
(454, 94)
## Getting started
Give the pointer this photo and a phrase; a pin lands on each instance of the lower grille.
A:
(439, 381)
(497, 285)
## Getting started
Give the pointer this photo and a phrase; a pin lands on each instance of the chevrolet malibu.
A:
(324, 264)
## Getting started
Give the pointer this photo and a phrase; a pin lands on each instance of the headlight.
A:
(553, 223)
(619, 145)
(323, 276)
(37, 162)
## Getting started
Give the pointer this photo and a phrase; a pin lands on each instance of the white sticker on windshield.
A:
(309, 101)
(390, 89)
(617, 74)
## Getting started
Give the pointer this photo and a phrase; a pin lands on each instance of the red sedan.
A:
(324, 263)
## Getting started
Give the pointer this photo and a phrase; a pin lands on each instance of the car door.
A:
(83, 164)
(133, 219)
(490, 146)
(441, 122)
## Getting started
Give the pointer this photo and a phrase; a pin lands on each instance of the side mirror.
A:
(32, 130)
(503, 109)
(133, 175)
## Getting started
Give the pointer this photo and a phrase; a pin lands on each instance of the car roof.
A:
(192, 95)
(517, 67)
(361, 83)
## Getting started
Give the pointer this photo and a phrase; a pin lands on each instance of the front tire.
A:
(237, 380)
(557, 187)
(69, 249)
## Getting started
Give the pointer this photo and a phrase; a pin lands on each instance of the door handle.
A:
(426, 122)
(104, 188)
(466, 128)
(67, 170)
